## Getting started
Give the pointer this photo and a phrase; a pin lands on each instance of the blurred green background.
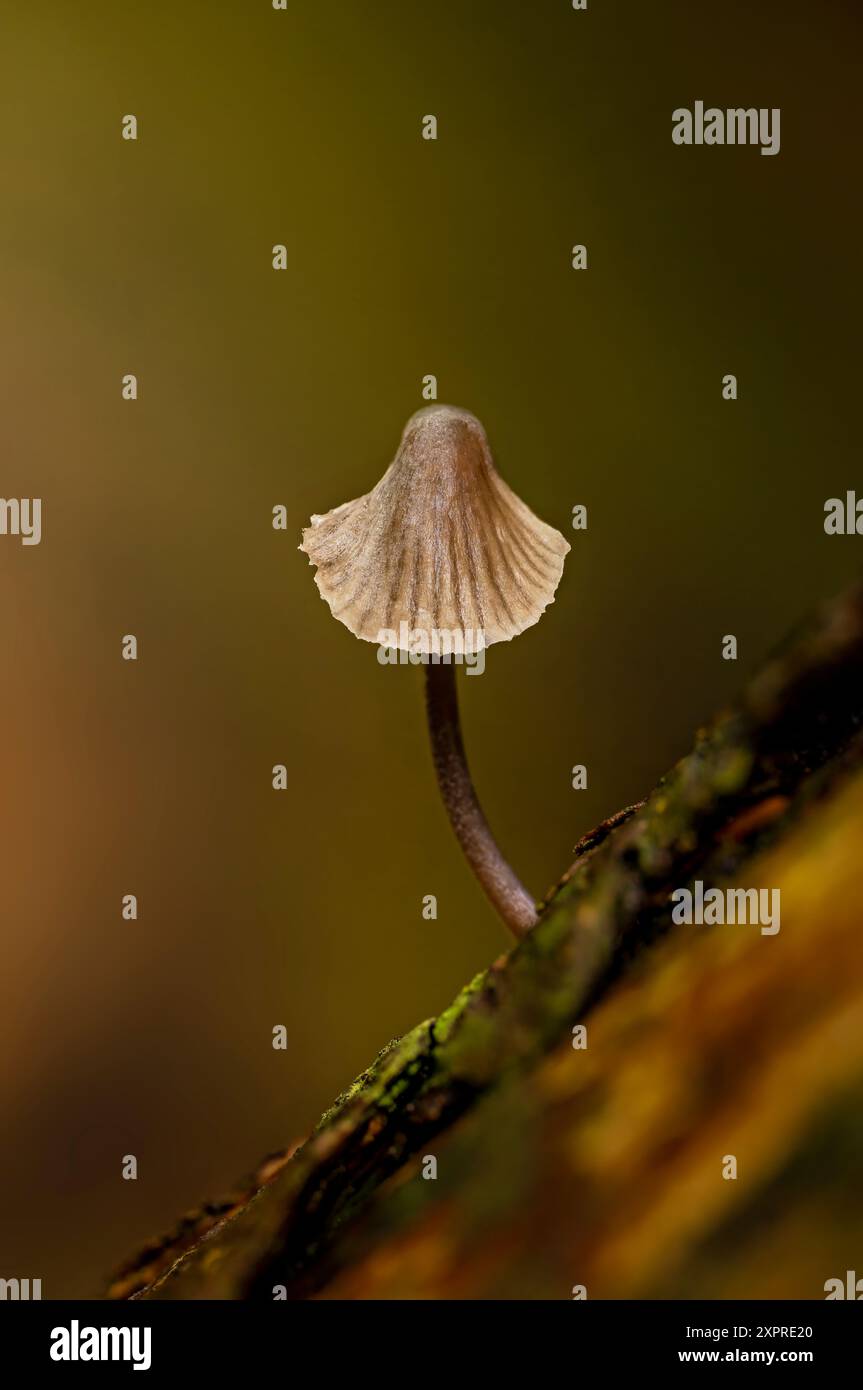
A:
(405, 257)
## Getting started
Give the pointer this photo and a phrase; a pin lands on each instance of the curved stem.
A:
(504, 890)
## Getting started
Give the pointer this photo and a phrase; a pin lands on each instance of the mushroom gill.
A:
(441, 544)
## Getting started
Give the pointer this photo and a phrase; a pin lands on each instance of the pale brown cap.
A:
(440, 544)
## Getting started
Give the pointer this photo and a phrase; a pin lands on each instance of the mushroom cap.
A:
(440, 545)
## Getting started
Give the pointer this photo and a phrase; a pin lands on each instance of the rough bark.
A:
(603, 1167)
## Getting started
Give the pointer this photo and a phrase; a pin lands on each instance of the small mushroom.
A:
(442, 558)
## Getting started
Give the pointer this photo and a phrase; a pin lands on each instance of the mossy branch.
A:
(752, 778)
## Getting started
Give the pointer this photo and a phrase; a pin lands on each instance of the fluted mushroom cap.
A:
(440, 544)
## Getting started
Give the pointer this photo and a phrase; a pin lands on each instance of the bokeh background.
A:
(256, 388)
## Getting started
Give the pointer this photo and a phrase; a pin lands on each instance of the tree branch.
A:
(763, 767)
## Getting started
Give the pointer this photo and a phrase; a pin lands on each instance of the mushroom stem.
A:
(503, 889)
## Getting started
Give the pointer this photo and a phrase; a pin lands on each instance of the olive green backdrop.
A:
(405, 257)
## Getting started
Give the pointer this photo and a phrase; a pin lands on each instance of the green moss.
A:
(446, 1022)
(374, 1085)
